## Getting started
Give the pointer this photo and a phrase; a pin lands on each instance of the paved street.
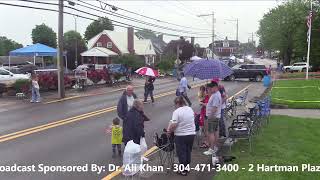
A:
(82, 140)
(72, 132)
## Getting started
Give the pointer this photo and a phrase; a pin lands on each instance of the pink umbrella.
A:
(146, 71)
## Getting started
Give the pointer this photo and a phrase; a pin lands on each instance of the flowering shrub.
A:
(50, 81)
(94, 75)
(22, 86)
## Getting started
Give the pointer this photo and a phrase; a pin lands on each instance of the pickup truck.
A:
(299, 66)
(250, 71)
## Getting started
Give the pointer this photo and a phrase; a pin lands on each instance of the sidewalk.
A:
(303, 113)
(197, 157)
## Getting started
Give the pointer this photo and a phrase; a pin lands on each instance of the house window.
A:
(109, 45)
(150, 47)
(99, 44)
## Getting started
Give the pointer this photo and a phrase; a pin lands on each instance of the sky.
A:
(17, 23)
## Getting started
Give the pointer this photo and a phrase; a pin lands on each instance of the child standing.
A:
(35, 89)
(116, 137)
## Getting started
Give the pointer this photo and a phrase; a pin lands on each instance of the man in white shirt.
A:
(126, 102)
(183, 86)
(213, 113)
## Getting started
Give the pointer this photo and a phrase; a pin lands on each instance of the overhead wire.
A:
(115, 23)
(136, 20)
(147, 17)
(117, 15)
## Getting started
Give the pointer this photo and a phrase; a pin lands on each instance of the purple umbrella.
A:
(208, 69)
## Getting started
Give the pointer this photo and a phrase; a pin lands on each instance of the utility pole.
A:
(61, 90)
(212, 46)
(237, 29)
(252, 39)
(76, 47)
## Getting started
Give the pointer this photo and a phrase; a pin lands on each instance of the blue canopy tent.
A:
(34, 50)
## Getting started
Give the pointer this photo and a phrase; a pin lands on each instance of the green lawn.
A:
(284, 141)
(299, 75)
(297, 93)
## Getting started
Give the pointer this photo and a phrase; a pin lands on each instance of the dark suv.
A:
(251, 71)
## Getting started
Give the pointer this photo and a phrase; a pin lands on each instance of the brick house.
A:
(224, 48)
(109, 44)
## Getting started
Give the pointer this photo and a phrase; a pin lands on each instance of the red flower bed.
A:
(50, 81)
(94, 76)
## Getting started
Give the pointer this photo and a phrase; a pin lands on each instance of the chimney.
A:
(192, 40)
(131, 40)
(160, 36)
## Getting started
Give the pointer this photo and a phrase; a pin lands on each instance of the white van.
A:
(8, 78)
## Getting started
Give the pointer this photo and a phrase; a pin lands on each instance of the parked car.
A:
(8, 78)
(13, 69)
(251, 71)
(229, 62)
(117, 68)
(299, 66)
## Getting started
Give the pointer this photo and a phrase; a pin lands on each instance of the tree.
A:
(97, 27)
(284, 29)
(73, 39)
(187, 49)
(130, 61)
(167, 63)
(247, 48)
(45, 35)
(7, 45)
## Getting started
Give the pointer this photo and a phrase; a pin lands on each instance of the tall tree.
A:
(98, 26)
(45, 35)
(186, 48)
(7, 45)
(284, 29)
(73, 40)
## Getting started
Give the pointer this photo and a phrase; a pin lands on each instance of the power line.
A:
(118, 24)
(136, 20)
(116, 15)
(158, 20)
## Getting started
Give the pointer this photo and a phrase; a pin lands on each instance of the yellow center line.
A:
(39, 128)
(54, 125)
(56, 122)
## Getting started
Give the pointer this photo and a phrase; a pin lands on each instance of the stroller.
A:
(165, 144)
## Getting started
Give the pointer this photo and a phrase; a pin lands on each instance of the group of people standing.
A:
(212, 99)
(130, 110)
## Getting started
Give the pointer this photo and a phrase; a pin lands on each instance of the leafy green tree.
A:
(98, 26)
(284, 29)
(167, 63)
(130, 61)
(73, 40)
(7, 45)
(247, 48)
(45, 35)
